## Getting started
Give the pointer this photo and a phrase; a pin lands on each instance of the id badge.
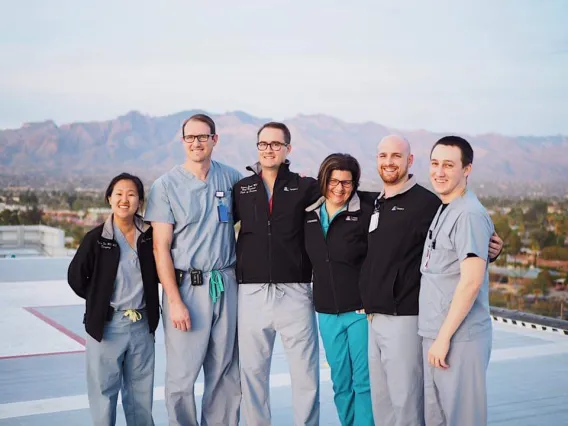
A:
(374, 222)
(223, 213)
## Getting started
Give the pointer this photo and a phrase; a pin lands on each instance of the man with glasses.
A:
(274, 274)
(194, 244)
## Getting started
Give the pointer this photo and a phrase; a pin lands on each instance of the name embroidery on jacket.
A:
(105, 245)
(248, 189)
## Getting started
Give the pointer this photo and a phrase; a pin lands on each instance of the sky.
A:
(474, 67)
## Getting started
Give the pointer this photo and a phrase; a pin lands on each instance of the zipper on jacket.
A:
(328, 260)
(393, 298)
(269, 250)
(331, 279)
(270, 226)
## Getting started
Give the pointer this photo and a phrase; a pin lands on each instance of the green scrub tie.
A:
(216, 285)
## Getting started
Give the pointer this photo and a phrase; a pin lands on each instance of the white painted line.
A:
(529, 332)
(523, 352)
(34, 293)
(79, 402)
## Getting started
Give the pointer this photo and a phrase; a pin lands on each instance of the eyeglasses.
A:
(274, 146)
(347, 184)
(200, 138)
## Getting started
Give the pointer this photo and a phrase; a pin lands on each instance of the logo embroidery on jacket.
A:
(286, 189)
(351, 219)
(396, 208)
(312, 221)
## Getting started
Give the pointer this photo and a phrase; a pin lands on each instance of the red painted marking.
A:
(56, 306)
(57, 326)
(42, 354)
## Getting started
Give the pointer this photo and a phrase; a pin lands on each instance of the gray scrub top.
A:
(464, 227)
(128, 287)
(200, 240)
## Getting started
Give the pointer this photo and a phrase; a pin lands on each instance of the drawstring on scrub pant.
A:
(216, 285)
(133, 315)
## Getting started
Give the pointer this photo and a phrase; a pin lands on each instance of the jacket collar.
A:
(108, 230)
(354, 204)
(257, 169)
(405, 188)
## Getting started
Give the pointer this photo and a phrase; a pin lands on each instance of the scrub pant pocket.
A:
(457, 396)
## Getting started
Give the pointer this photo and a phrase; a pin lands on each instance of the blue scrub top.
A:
(200, 240)
(128, 287)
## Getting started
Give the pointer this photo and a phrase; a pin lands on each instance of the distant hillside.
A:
(151, 145)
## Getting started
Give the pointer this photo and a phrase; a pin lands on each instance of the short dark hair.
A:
(202, 118)
(279, 126)
(126, 176)
(463, 145)
(338, 161)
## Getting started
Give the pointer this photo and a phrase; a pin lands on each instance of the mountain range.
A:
(149, 146)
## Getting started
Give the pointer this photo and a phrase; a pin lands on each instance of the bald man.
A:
(390, 285)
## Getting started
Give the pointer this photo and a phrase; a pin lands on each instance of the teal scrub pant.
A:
(345, 340)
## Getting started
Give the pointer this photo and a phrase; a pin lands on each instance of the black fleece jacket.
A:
(270, 245)
(92, 273)
(337, 258)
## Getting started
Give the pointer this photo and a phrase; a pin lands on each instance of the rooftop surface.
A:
(42, 361)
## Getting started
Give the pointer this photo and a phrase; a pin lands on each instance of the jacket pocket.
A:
(249, 215)
(393, 288)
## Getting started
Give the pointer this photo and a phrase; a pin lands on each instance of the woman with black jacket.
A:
(114, 271)
(335, 230)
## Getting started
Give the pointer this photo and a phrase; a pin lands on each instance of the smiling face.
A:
(447, 174)
(124, 199)
(269, 158)
(197, 151)
(339, 187)
(393, 160)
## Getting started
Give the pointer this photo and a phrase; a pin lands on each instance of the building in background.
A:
(32, 241)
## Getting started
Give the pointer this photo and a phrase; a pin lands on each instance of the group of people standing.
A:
(398, 280)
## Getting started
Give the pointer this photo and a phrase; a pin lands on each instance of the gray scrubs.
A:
(264, 310)
(124, 359)
(456, 396)
(395, 370)
(200, 241)
(128, 289)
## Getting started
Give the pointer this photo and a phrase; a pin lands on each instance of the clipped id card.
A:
(223, 213)
(374, 222)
